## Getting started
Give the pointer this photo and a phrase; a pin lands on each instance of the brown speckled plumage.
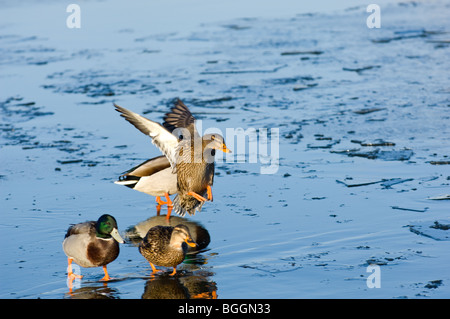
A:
(165, 245)
(194, 161)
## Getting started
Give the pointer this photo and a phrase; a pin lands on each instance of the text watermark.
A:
(374, 279)
(251, 145)
(73, 21)
(373, 20)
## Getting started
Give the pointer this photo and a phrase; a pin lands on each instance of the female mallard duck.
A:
(153, 177)
(199, 234)
(191, 156)
(92, 244)
(166, 246)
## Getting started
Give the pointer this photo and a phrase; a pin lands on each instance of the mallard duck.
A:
(92, 244)
(153, 177)
(198, 232)
(166, 246)
(191, 156)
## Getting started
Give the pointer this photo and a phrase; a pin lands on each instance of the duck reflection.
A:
(195, 286)
(93, 292)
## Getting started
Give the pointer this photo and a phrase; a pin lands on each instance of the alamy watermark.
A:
(74, 282)
(374, 279)
(373, 20)
(73, 21)
(251, 145)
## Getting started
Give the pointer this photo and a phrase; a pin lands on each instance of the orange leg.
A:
(69, 270)
(154, 270)
(169, 202)
(174, 271)
(106, 278)
(159, 201)
(197, 196)
(209, 191)
(70, 284)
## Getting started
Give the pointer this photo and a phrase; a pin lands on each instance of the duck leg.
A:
(106, 277)
(209, 191)
(160, 203)
(154, 270)
(197, 196)
(174, 271)
(70, 271)
(169, 202)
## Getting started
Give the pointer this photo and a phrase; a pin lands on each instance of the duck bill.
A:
(115, 234)
(225, 149)
(190, 242)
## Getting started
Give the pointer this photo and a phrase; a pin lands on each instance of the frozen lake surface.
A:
(364, 144)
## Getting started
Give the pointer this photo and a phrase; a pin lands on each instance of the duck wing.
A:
(149, 167)
(180, 117)
(161, 137)
(81, 228)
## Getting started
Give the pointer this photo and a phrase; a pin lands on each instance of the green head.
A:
(106, 227)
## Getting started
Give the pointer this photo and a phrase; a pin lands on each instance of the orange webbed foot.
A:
(154, 270)
(70, 273)
(174, 271)
(73, 276)
(106, 277)
(197, 196)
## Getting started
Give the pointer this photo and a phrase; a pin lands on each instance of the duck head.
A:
(106, 227)
(214, 142)
(181, 234)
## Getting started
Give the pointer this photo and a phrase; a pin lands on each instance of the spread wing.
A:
(180, 117)
(161, 137)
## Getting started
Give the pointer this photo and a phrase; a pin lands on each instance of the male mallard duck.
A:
(92, 244)
(153, 177)
(166, 246)
(191, 156)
